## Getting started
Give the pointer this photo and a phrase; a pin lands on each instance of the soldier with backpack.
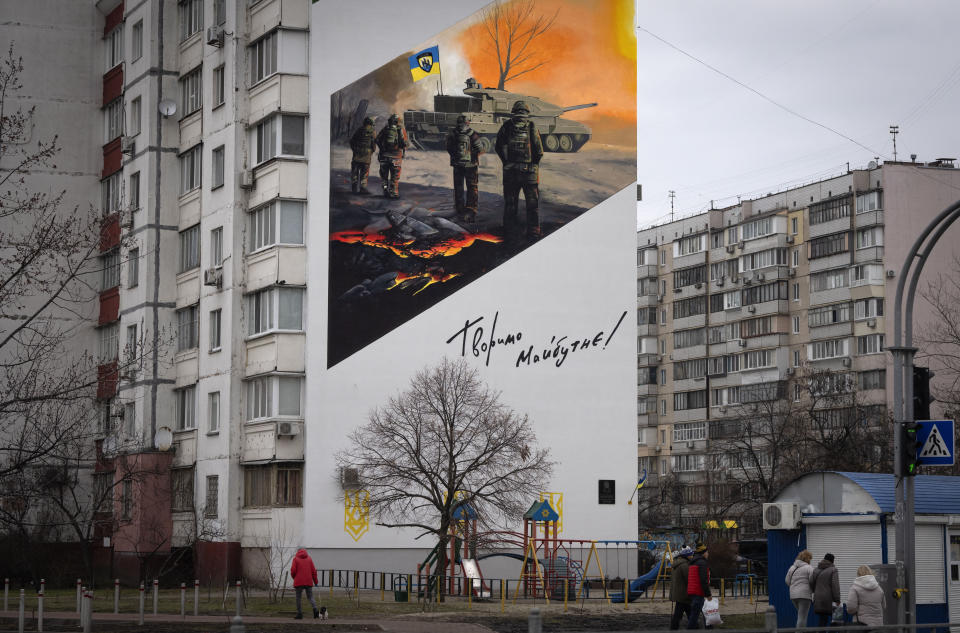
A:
(520, 148)
(463, 145)
(362, 143)
(392, 143)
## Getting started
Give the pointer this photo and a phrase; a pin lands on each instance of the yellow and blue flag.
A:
(425, 63)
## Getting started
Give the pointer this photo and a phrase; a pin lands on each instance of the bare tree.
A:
(513, 28)
(939, 337)
(447, 440)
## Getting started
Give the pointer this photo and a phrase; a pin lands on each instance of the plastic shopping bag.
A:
(711, 612)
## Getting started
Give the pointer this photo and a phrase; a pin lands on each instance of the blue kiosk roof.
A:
(934, 494)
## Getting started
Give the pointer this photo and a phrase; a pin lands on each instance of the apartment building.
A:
(734, 303)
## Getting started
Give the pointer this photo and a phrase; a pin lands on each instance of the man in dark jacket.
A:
(698, 584)
(678, 587)
(363, 142)
(464, 148)
(825, 584)
(392, 146)
(520, 148)
(304, 576)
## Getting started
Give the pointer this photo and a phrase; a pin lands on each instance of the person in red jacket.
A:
(698, 584)
(304, 576)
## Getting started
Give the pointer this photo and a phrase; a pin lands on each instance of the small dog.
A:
(323, 613)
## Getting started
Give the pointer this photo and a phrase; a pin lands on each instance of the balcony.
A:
(266, 15)
(184, 448)
(261, 442)
(279, 178)
(870, 218)
(647, 390)
(647, 360)
(275, 264)
(284, 93)
(826, 228)
(647, 329)
(645, 271)
(647, 301)
(276, 351)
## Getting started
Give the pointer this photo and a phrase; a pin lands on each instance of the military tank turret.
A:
(487, 109)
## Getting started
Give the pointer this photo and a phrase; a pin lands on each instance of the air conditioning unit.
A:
(690, 444)
(761, 276)
(789, 239)
(846, 362)
(247, 180)
(781, 516)
(698, 286)
(891, 274)
(792, 272)
(127, 145)
(288, 428)
(657, 448)
(659, 359)
(751, 308)
(871, 323)
(126, 221)
(213, 277)
(747, 281)
(677, 291)
(731, 248)
(742, 342)
(789, 371)
(349, 478)
(740, 246)
(720, 283)
(215, 36)
(722, 409)
(129, 375)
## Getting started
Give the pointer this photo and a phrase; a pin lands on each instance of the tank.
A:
(487, 109)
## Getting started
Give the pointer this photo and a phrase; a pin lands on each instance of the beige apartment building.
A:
(735, 304)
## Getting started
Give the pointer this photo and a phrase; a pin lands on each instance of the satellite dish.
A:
(163, 440)
(109, 447)
(167, 107)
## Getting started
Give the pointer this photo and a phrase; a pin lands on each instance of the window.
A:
(873, 379)
(646, 405)
(190, 248)
(689, 307)
(275, 309)
(216, 247)
(663, 316)
(263, 57)
(191, 17)
(190, 170)
(762, 392)
(213, 412)
(763, 259)
(796, 325)
(690, 244)
(828, 210)
(217, 160)
(113, 120)
(283, 218)
(110, 194)
(872, 236)
(689, 276)
(831, 383)
(219, 12)
(181, 489)
(113, 45)
(725, 396)
(136, 36)
(871, 201)
(833, 348)
(130, 419)
(759, 358)
(686, 369)
(828, 280)
(689, 431)
(272, 396)
(797, 392)
(690, 400)
(109, 343)
(689, 338)
(721, 365)
(829, 245)
(135, 117)
(759, 326)
(284, 132)
(219, 86)
(870, 344)
(868, 308)
(687, 463)
(757, 228)
(733, 235)
(716, 239)
(215, 330)
(273, 485)
(133, 268)
(731, 299)
(828, 315)
(135, 191)
(863, 274)
(663, 258)
(210, 505)
(793, 226)
(191, 91)
(663, 407)
(110, 270)
(767, 292)
(796, 358)
(796, 291)
(187, 328)
(186, 402)
(126, 500)
(130, 352)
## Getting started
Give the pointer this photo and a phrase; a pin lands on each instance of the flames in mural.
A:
(415, 248)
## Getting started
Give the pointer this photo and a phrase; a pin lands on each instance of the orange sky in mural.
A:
(592, 58)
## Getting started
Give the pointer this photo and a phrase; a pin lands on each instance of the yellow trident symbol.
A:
(356, 513)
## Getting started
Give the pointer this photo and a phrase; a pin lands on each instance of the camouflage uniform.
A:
(463, 145)
(392, 142)
(520, 148)
(362, 143)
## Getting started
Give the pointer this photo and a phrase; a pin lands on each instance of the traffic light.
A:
(910, 448)
(921, 392)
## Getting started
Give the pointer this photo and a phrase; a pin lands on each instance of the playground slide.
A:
(471, 570)
(638, 585)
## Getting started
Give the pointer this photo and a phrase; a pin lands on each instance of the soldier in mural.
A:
(362, 143)
(464, 148)
(520, 148)
(392, 143)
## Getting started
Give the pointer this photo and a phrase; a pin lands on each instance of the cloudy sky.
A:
(853, 66)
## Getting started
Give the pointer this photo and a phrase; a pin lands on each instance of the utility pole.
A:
(894, 130)
(672, 194)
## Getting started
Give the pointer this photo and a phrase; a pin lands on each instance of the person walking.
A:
(362, 143)
(304, 576)
(825, 584)
(698, 584)
(678, 587)
(520, 148)
(865, 600)
(798, 579)
(464, 148)
(392, 146)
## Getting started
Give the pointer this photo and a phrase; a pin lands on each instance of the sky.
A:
(853, 66)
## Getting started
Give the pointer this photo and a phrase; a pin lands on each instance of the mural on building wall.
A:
(356, 513)
(468, 149)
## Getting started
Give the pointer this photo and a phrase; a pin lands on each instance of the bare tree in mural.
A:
(447, 440)
(515, 28)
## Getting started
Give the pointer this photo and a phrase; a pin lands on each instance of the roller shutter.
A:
(853, 544)
(930, 574)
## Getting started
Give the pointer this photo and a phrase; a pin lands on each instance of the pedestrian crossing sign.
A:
(936, 439)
